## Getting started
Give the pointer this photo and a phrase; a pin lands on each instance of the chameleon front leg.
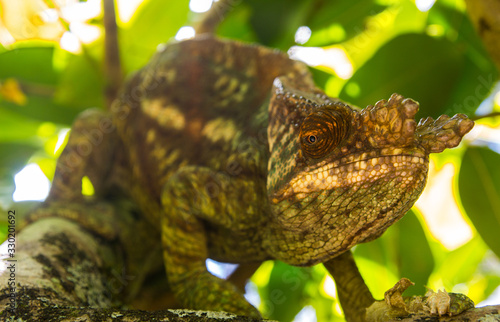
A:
(192, 200)
(89, 152)
(354, 295)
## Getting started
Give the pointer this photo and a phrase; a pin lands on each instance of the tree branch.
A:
(62, 269)
(113, 70)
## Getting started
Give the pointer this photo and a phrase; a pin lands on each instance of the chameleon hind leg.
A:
(89, 152)
(190, 205)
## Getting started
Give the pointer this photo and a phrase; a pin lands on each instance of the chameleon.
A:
(234, 154)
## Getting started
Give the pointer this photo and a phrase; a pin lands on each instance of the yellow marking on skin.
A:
(169, 116)
(170, 75)
(169, 159)
(221, 81)
(220, 129)
(150, 136)
(229, 61)
(251, 68)
(159, 153)
(240, 95)
(229, 90)
(326, 177)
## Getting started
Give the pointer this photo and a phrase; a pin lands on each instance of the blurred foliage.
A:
(434, 57)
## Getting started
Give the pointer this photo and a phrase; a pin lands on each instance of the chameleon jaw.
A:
(357, 171)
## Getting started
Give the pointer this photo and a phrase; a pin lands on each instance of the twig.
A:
(211, 19)
(112, 70)
(492, 114)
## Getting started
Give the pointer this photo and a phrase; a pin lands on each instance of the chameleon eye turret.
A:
(323, 130)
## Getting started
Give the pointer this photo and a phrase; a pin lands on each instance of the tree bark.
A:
(61, 271)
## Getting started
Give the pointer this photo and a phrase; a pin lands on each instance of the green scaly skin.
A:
(233, 153)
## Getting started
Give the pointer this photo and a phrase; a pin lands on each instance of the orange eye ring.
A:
(323, 130)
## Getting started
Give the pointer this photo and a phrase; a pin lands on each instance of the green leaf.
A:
(416, 261)
(14, 127)
(31, 64)
(349, 20)
(479, 72)
(479, 188)
(275, 22)
(459, 265)
(34, 68)
(283, 297)
(82, 83)
(14, 157)
(402, 250)
(155, 22)
(413, 65)
(236, 24)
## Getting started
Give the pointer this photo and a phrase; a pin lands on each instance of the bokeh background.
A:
(52, 68)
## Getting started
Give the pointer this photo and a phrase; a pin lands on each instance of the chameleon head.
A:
(343, 176)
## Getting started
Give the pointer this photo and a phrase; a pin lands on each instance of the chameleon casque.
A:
(235, 155)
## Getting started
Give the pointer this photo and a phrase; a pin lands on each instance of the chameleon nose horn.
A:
(444, 132)
(390, 123)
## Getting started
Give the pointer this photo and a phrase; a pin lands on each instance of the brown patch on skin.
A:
(194, 128)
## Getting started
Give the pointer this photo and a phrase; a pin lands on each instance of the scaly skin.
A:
(235, 155)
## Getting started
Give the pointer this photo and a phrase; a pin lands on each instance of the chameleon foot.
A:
(396, 306)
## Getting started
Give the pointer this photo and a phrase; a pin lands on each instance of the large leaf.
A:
(31, 64)
(405, 245)
(460, 265)
(33, 68)
(82, 82)
(17, 128)
(335, 21)
(413, 65)
(479, 188)
(14, 157)
(236, 24)
(155, 22)
(416, 261)
(42, 108)
(283, 297)
(479, 73)
(275, 22)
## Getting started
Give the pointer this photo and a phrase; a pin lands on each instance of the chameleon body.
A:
(234, 154)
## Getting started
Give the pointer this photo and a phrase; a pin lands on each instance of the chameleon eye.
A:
(311, 139)
(323, 130)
